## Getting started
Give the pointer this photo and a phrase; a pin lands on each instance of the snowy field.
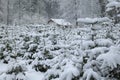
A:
(30, 74)
(44, 52)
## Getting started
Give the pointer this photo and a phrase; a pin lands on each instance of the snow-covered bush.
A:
(110, 62)
(16, 71)
(113, 10)
(88, 45)
(91, 75)
(29, 45)
(51, 74)
(103, 42)
(47, 54)
(110, 59)
(2, 49)
(39, 66)
(7, 51)
(39, 58)
(115, 73)
(53, 39)
(95, 52)
(70, 73)
(64, 66)
(32, 47)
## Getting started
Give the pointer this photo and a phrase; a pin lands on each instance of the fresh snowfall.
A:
(59, 39)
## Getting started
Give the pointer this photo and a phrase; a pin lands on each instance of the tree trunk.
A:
(76, 23)
(8, 12)
(19, 16)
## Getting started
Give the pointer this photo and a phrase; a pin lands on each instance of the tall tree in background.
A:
(76, 14)
(1, 11)
(19, 12)
(8, 11)
(103, 6)
(52, 8)
(33, 8)
(37, 10)
(42, 11)
(69, 10)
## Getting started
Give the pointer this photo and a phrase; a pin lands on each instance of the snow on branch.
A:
(93, 20)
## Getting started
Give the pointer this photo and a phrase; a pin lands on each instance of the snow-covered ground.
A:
(45, 52)
(30, 74)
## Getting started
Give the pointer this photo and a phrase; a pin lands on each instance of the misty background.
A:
(40, 11)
